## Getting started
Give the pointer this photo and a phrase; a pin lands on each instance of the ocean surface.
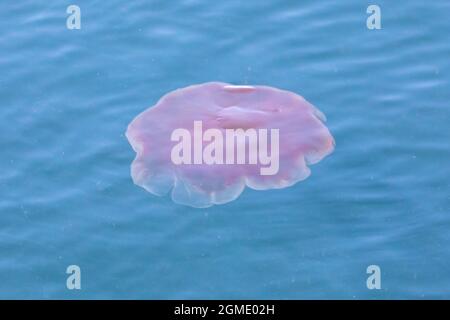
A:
(67, 198)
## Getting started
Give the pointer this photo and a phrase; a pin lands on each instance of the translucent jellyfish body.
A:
(205, 143)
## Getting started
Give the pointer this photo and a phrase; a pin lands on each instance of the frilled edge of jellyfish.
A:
(162, 180)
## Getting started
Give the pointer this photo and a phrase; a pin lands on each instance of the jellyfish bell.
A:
(205, 143)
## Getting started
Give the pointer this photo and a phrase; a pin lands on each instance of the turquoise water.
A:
(66, 196)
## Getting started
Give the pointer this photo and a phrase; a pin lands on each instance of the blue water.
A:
(66, 196)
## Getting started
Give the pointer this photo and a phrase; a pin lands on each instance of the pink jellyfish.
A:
(205, 143)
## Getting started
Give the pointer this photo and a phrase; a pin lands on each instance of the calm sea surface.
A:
(66, 196)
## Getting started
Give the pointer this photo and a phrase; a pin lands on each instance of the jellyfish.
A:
(203, 144)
